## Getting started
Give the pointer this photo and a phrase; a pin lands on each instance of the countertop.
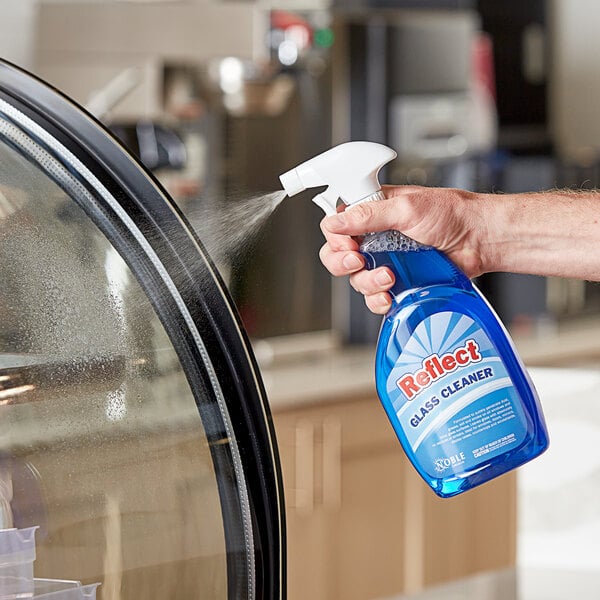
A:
(320, 377)
(516, 584)
(317, 371)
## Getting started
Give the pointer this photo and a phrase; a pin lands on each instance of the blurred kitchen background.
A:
(218, 98)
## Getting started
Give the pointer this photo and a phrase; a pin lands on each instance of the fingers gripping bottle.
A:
(447, 374)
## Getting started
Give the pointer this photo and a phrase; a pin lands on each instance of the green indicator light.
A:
(324, 38)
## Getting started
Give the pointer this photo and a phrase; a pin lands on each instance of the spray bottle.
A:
(447, 373)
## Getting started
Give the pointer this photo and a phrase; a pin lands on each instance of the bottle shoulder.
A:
(442, 306)
(437, 298)
(432, 313)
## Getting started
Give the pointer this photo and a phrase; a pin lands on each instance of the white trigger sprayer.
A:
(349, 170)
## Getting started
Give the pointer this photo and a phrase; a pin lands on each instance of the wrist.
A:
(486, 232)
(495, 230)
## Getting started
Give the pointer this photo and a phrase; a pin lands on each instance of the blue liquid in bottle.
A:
(448, 376)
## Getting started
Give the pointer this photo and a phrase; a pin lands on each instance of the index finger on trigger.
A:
(339, 241)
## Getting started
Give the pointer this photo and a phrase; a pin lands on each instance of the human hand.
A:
(448, 219)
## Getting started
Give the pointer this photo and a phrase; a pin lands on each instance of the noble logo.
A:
(441, 464)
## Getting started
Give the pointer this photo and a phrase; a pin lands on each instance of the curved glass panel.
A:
(102, 447)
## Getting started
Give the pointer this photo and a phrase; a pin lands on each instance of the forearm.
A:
(547, 233)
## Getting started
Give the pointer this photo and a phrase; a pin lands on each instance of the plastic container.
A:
(17, 554)
(56, 589)
(447, 374)
(452, 385)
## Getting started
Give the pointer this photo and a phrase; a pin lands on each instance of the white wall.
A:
(18, 31)
(83, 46)
(575, 87)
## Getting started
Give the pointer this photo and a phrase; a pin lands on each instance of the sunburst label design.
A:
(452, 395)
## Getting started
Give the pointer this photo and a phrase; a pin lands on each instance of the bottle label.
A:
(453, 396)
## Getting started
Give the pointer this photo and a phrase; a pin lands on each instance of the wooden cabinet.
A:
(362, 524)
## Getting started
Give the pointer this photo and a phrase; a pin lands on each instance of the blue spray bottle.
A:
(447, 374)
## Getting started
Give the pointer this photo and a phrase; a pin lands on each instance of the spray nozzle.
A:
(349, 171)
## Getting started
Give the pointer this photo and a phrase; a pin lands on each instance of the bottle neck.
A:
(378, 195)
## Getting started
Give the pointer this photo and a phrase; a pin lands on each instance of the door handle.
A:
(332, 463)
(304, 456)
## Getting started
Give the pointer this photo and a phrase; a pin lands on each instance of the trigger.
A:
(327, 201)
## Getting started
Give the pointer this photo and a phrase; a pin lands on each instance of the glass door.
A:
(135, 440)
